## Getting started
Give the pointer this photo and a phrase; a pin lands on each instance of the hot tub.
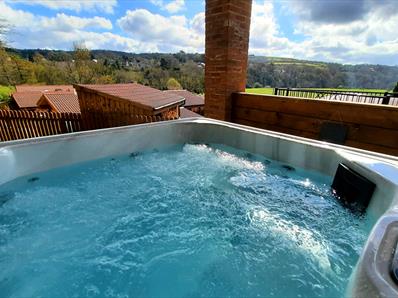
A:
(285, 157)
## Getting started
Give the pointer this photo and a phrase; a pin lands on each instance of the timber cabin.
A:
(120, 104)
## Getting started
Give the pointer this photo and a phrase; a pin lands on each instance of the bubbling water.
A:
(189, 221)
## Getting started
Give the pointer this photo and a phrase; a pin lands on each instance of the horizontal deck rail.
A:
(372, 97)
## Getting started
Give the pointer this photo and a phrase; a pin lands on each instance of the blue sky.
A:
(344, 31)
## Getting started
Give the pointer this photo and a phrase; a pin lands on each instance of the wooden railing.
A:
(372, 97)
(365, 126)
(16, 124)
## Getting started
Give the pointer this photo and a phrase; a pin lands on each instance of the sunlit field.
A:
(271, 90)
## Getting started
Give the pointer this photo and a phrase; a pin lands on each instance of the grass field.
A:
(271, 90)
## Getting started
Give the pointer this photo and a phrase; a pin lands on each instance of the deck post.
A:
(227, 44)
(386, 98)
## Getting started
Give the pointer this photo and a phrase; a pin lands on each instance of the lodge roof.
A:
(27, 96)
(191, 99)
(43, 88)
(185, 113)
(62, 102)
(144, 96)
(27, 99)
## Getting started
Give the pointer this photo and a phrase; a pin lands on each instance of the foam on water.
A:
(187, 221)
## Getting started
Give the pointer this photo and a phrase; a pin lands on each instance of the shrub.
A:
(5, 94)
(173, 84)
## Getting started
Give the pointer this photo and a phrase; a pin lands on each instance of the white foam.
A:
(303, 238)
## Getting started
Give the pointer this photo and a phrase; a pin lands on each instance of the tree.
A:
(82, 67)
(105, 79)
(191, 77)
(156, 77)
(169, 63)
(173, 84)
(181, 56)
(124, 76)
(395, 88)
(50, 72)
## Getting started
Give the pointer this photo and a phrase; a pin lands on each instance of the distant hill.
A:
(287, 72)
(58, 55)
(262, 71)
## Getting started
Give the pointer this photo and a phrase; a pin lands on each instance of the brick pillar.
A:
(227, 44)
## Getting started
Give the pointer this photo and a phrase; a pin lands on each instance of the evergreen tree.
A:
(396, 88)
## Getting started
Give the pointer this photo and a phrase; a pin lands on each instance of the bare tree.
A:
(82, 65)
(4, 75)
(3, 32)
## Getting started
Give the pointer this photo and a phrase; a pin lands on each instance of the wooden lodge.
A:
(119, 104)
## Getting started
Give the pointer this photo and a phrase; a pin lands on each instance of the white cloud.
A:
(17, 19)
(265, 36)
(63, 22)
(367, 38)
(172, 6)
(175, 6)
(146, 32)
(198, 23)
(92, 40)
(170, 33)
(75, 5)
(61, 31)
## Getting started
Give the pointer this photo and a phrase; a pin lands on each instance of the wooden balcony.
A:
(365, 126)
(361, 125)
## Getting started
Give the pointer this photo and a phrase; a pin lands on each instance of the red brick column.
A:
(227, 43)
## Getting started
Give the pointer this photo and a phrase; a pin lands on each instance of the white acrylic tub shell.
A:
(371, 277)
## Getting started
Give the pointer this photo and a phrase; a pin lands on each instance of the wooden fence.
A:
(16, 124)
(365, 126)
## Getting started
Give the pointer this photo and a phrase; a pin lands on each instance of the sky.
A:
(341, 31)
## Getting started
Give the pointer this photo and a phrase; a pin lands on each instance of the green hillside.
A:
(156, 69)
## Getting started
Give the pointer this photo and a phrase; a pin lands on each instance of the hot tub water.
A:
(192, 220)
